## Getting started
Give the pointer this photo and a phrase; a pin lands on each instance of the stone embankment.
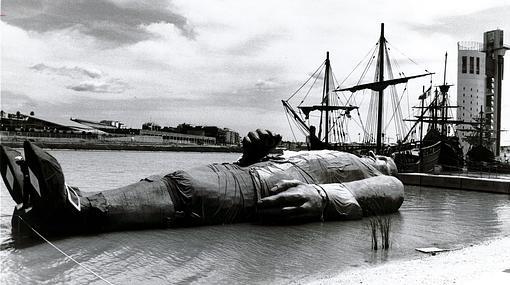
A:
(490, 185)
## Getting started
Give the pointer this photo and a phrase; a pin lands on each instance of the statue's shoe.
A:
(12, 173)
(51, 207)
(45, 175)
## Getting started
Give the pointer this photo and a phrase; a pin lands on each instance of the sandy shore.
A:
(486, 263)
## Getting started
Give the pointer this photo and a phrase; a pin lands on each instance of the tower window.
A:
(477, 65)
(471, 64)
(464, 64)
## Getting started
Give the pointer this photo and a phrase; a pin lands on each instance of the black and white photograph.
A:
(254, 142)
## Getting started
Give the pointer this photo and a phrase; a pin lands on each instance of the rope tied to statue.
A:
(324, 197)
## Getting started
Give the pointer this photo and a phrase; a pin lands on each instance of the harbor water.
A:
(240, 253)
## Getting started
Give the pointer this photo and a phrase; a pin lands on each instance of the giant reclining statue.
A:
(299, 187)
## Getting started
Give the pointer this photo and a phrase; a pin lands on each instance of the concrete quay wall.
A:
(490, 185)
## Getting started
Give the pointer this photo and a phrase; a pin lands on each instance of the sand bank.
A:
(485, 263)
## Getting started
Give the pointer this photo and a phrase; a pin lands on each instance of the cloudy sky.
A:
(224, 62)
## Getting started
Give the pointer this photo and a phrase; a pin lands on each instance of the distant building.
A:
(19, 122)
(177, 138)
(115, 124)
(230, 136)
(151, 126)
(470, 84)
(479, 76)
(18, 126)
(109, 127)
(103, 125)
(224, 136)
(494, 50)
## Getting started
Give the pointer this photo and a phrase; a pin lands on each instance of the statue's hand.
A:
(258, 144)
(294, 201)
(284, 185)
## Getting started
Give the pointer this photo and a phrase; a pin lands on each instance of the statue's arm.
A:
(294, 201)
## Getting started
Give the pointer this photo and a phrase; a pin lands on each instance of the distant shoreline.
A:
(126, 146)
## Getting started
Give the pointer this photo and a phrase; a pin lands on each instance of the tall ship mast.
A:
(329, 128)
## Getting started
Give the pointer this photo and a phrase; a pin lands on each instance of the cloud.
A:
(462, 26)
(110, 86)
(96, 80)
(118, 23)
(73, 72)
(14, 101)
(266, 85)
(255, 44)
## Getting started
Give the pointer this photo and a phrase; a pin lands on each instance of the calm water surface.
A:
(241, 253)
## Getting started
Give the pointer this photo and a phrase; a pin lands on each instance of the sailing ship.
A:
(333, 118)
(441, 127)
(330, 124)
(480, 157)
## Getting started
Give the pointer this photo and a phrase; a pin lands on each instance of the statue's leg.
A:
(53, 207)
(145, 204)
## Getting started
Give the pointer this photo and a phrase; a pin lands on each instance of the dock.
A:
(480, 184)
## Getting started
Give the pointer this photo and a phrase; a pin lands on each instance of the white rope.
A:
(65, 254)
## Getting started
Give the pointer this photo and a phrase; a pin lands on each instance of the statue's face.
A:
(386, 165)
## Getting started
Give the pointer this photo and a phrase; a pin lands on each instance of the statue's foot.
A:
(10, 168)
(49, 205)
(45, 175)
(17, 180)
(43, 201)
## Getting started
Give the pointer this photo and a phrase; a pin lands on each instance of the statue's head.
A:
(384, 164)
(390, 166)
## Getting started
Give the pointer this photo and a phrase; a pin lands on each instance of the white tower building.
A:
(470, 84)
(479, 76)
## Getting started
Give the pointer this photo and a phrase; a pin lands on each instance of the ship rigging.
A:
(338, 104)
